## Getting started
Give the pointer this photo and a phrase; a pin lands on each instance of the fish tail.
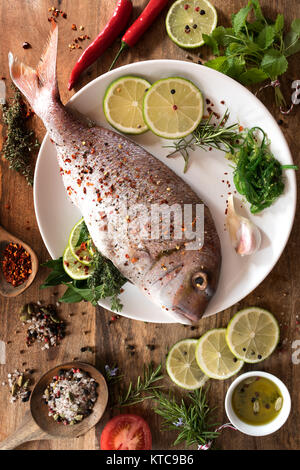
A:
(40, 82)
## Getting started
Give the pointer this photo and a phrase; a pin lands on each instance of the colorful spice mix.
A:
(71, 396)
(43, 325)
(16, 264)
(18, 385)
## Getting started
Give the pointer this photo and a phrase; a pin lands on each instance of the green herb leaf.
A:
(144, 388)
(57, 276)
(253, 75)
(192, 419)
(83, 235)
(211, 42)
(274, 63)
(220, 64)
(266, 37)
(295, 26)
(279, 23)
(239, 20)
(257, 11)
(71, 296)
(291, 43)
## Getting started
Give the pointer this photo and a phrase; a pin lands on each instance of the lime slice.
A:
(182, 367)
(80, 251)
(122, 104)
(214, 356)
(252, 334)
(187, 20)
(74, 268)
(173, 107)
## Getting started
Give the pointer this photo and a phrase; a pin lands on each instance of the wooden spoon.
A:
(6, 289)
(37, 425)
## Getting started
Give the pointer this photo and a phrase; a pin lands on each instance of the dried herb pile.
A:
(20, 141)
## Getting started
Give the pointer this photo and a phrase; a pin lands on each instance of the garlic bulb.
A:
(244, 234)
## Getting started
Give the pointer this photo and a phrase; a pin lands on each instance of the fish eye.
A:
(200, 280)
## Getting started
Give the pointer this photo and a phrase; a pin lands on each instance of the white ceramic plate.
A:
(239, 276)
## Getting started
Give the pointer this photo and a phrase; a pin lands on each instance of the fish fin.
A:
(34, 82)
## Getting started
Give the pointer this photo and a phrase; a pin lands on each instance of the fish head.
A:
(189, 283)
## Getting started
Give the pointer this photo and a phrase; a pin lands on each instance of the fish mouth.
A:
(187, 314)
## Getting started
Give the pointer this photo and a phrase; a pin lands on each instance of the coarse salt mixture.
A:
(71, 396)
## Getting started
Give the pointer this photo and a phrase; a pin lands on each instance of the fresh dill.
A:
(20, 142)
(144, 389)
(191, 420)
(208, 135)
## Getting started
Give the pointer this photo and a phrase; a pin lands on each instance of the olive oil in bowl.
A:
(257, 400)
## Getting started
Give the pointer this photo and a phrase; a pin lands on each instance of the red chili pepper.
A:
(114, 27)
(140, 26)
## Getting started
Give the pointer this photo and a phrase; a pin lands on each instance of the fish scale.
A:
(106, 176)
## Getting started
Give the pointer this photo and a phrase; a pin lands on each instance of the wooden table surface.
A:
(26, 20)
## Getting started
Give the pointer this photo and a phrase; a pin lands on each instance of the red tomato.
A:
(126, 432)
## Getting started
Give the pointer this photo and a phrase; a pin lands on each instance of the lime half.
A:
(187, 20)
(74, 268)
(80, 249)
(123, 102)
(252, 334)
(214, 356)
(182, 367)
(173, 107)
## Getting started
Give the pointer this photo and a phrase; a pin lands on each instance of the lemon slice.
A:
(182, 367)
(214, 356)
(252, 334)
(122, 104)
(74, 268)
(80, 251)
(187, 20)
(173, 107)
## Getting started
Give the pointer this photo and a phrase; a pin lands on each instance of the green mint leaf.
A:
(256, 26)
(279, 23)
(58, 274)
(274, 63)
(220, 64)
(291, 43)
(211, 42)
(239, 20)
(266, 37)
(84, 235)
(219, 34)
(253, 75)
(257, 11)
(295, 26)
(236, 66)
(71, 296)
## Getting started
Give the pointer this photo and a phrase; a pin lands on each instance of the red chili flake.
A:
(67, 160)
(186, 6)
(16, 264)
(222, 102)
(175, 107)
(84, 190)
(197, 9)
(241, 128)
(74, 27)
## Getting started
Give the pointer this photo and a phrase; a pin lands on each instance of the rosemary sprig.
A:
(192, 420)
(20, 141)
(208, 135)
(144, 389)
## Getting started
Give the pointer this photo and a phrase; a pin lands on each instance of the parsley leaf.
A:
(255, 50)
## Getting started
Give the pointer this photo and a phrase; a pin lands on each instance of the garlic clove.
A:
(244, 234)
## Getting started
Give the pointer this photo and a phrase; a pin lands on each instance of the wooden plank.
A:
(27, 21)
